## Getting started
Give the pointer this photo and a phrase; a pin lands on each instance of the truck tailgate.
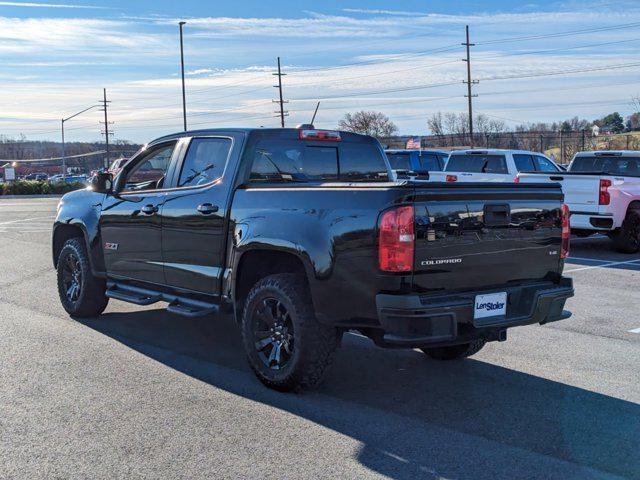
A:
(580, 191)
(474, 235)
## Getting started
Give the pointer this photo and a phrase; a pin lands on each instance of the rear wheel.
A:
(287, 348)
(627, 238)
(454, 352)
(81, 293)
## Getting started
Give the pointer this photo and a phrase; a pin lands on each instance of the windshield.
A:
(474, 163)
(625, 166)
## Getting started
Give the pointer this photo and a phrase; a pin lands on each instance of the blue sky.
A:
(401, 57)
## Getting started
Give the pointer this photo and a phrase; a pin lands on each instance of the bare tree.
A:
(435, 124)
(376, 124)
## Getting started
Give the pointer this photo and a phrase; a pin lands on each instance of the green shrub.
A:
(25, 187)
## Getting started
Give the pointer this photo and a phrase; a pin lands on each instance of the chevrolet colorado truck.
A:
(602, 191)
(301, 235)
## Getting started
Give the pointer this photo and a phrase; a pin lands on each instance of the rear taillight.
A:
(604, 198)
(566, 231)
(452, 178)
(516, 180)
(396, 242)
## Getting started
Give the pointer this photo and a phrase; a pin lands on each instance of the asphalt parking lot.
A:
(141, 393)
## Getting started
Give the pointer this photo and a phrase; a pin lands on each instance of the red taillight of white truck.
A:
(397, 240)
(605, 197)
(566, 231)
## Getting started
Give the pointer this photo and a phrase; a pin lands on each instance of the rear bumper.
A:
(432, 320)
(587, 221)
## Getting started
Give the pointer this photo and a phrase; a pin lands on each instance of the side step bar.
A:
(187, 307)
(131, 296)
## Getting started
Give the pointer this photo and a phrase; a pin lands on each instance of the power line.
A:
(559, 34)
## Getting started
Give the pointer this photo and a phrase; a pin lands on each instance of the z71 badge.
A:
(111, 246)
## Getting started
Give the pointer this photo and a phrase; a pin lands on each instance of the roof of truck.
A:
(621, 153)
(246, 130)
(490, 151)
(410, 150)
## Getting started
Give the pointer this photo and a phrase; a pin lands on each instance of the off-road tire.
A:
(91, 299)
(454, 352)
(314, 344)
(627, 238)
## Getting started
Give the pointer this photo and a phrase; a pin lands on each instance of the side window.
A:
(204, 162)
(544, 165)
(149, 172)
(524, 163)
(282, 160)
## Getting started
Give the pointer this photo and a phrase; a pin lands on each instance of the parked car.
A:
(493, 165)
(602, 190)
(301, 235)
(416, 163)
(37, 177)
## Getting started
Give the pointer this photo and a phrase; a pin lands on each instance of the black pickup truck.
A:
(301, 234)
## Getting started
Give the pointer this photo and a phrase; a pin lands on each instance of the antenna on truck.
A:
(315, 113)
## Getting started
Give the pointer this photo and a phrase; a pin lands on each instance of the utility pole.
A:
(106, 124)
(469, 83)
(184, 93)
(281, 101)
(64, 154)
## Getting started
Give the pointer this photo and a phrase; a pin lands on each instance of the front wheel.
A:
(455, 352)
(287, 348)
(81, 293)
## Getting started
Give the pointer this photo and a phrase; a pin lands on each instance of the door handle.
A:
(149, 209)
(207, 209)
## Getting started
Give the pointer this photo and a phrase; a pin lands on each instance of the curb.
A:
(30, 196)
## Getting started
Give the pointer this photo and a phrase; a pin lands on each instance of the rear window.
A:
(430, 162)
(625, 166)
(399, 161)
(286, 160)
(477, 164)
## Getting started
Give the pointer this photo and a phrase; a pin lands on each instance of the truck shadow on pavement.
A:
(414, 417)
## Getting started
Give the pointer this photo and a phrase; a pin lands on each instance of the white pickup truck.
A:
(493, 165)
(602, 190)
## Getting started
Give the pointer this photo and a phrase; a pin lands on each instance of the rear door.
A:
(195, 211)
(480, 235)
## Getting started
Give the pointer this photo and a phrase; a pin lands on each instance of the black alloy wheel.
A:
(72, 277)
(272, 329)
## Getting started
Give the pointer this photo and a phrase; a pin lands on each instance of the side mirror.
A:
(102, 182)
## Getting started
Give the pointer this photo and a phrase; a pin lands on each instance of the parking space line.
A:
(604, 265)
(635, 330)
(25, 220)
(584, 259)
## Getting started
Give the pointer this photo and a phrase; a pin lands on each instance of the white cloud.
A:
(52, 5)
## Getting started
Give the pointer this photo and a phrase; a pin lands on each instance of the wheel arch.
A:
(63, 232)
(257, 263)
